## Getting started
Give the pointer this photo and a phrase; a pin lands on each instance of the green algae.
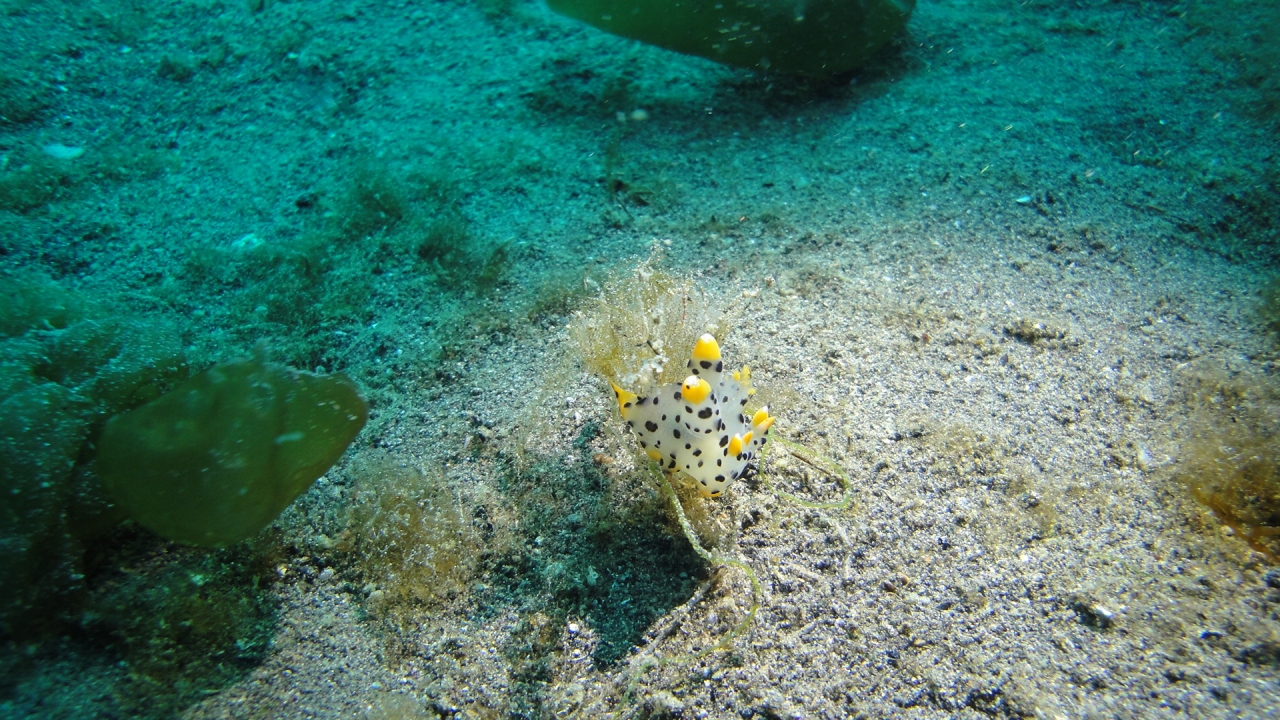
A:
(814, 38)
(219, 458)
(1229, 460)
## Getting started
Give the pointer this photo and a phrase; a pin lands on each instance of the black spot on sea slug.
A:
(719, 478)
(719, 366)
(724, 440)
(696, 453)
(704, 413)
(651, 426)
(677, 396)
(706, 364)
(676, 433)
(677, 418)
(688, 409)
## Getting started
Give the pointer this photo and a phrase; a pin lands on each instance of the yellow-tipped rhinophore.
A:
(706, 349)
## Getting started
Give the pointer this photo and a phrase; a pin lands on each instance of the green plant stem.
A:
(798, 451)
(813, 460)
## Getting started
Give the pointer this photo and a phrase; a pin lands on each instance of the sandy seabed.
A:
(989, 279)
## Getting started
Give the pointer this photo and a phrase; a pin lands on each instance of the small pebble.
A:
(62, 152)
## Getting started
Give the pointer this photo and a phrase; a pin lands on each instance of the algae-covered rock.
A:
(36, 306)
(119, 362)
(184, 624)
(804, 37)
(42, 429)
(61, 375)
(217, 459)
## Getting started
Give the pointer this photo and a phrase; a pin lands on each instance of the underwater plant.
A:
(623, 334)
(1230, 459)
(410, 536)
(815, 38)
(1269, 308)
(217, 459)
(22, 98)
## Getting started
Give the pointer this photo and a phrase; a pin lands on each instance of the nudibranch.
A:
(700, 427)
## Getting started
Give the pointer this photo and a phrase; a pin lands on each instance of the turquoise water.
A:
(419, 196)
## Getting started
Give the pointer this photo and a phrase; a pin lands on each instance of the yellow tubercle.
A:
(695, 389)
(746, 439)
(706, 348)
(654, 455)
(625, 399)
(735, 445)
(761, 420)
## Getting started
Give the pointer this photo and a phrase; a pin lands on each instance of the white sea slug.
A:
(700, 427)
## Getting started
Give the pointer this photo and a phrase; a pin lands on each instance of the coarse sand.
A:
(990, 278)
